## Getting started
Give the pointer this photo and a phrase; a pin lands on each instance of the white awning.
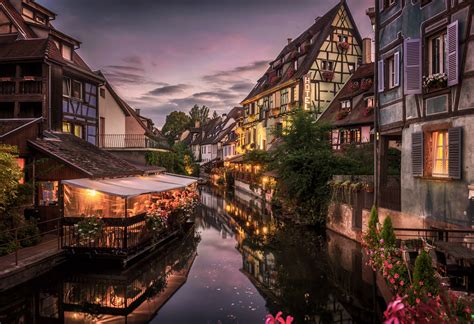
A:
(173, 178)
(132, 186)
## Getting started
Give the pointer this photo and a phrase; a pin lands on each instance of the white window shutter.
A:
(396, 67)
(380, 76)
(453, 53)
(412, 64)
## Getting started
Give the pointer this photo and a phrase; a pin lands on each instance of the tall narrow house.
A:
(307, 73)
(426, 79)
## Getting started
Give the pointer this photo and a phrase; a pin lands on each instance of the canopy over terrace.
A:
(119, 197)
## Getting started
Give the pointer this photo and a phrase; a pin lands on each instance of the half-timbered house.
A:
(425, 84)
(307, 73)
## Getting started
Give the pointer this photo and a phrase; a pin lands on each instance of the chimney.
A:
(137, 111)
(366, 51)
(289, 40)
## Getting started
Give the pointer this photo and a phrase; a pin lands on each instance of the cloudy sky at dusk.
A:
(163, 56)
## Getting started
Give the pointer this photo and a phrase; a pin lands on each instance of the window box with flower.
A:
(435, 81)
(328, 75)
(343, 46)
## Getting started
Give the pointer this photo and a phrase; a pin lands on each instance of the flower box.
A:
(366, 84)
(355, 85)
(343, 46)
(435, 81)
(328, 75)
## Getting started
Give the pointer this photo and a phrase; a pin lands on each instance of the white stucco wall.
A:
(113, 114)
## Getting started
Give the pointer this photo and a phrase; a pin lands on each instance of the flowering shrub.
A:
(366, 84)
(156, 221)
(354, 85)
(438, 80)
(418, 301)
(89, 229)
(278, 319)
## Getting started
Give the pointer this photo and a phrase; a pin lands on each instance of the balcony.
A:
(130, 141)
(21, 86)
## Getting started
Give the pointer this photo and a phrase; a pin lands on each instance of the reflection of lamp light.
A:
(247, 224)
(227, 208)
(264, 180)
(265, 230)
(91, 192)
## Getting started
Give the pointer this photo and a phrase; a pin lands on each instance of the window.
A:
(388, 3)
(279, 72)
(391, 72)
(346, 105)
(66, 51)
(77, 90)
(28, 13)
(102, 92)
(295, 65)
(327, 65)
(270, 101)
(440, 153)
(370, 102)
(284, 99)
(351, 67)
(78, 131)
(40, 19)
(437, 54)
(67, 87)
(67, 127)
(48, 193)
(343, 38)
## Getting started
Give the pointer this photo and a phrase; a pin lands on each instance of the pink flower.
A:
(392, 281)
(396, 276)
(418, 300)
(402, 282)
(278, 319)
(420, 283)
(390, 266)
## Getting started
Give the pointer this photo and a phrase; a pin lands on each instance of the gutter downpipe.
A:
(376, 115)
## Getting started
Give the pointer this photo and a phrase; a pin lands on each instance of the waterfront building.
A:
(351, 113)
(307, 73)
(123, 131)
(425, 83)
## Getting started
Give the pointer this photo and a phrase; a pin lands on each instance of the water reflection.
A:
(240, 264)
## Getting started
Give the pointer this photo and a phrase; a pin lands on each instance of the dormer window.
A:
(40, 19)
(369, 102)
(343, 38)
(346, 105)
(66, 52)
(295, 65)
(327, 65)
(28, 13)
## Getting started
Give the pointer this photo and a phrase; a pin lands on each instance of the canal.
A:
(237, 265)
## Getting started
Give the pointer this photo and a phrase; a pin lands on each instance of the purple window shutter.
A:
(455, 152)
(412, 62)
(380, 76)
(396, 67)
(453, 53)
(381, 5)
(417, 154)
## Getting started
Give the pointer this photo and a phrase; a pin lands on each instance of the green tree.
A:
(179, 160)
(10, 175)
(424, 279)
(176, 123)
(305, 163)
(372, 236)
(200, 114)
(388, 234)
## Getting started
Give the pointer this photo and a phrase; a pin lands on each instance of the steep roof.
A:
(358, 114)
(311, 40)
(82, 155)
(12, 48)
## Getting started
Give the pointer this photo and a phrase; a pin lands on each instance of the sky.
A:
(163, 56)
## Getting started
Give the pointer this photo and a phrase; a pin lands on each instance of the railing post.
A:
(16, 246)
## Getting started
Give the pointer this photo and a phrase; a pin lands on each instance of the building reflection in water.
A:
(315, 278)
(101, 295)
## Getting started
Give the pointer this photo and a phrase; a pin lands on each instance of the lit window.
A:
(370, 102)
(440, 153)
(78, 131)
(66, 127)
(437, 54)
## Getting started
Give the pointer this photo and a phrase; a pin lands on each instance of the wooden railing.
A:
(129, 141)
(21, 86)
(461, 236)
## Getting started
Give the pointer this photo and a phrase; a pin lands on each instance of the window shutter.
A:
(381, 5)
(412, 63)
(380, 76)
(455, 152)
(417, 154)
(396, 67)
(453, 53)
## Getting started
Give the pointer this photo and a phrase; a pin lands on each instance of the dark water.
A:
(237, 266)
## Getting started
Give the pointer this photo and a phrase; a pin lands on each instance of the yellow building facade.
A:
(307, 74)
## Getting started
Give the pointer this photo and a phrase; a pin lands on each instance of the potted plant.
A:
(354, 85)
(366, 84)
